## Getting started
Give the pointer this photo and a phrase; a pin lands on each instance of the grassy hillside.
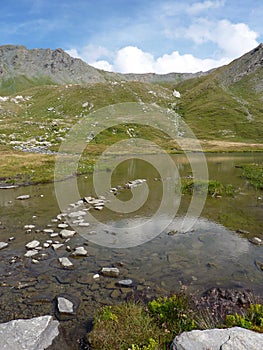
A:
(216, 111)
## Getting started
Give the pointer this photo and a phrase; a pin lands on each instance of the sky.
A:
(137, 36)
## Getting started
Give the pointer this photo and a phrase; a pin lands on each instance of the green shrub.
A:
(172, 314)
(252, 319)
(213, 188)
(254, 173)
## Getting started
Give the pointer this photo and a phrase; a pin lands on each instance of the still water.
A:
(155, 251)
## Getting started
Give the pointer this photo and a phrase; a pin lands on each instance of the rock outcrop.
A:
(235, 338)
(30, 334)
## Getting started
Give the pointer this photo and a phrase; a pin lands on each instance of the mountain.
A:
(21, 68)
(224, 103)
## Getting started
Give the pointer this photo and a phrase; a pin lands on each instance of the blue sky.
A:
(137, 35)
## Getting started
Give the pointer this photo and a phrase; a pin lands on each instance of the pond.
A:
(155, 251)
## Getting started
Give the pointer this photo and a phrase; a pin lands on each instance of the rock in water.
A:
(224, 339)
(32, 334)
(3, 245)
(24, 196)
(65, 306)
(110, 271)
(32, 244)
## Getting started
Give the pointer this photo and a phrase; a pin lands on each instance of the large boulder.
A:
(235, 338)
(28, 334)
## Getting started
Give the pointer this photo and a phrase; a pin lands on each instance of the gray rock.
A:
(32, 244)
(65, 262)
(62, 225)
(31, 252)
(76, 214)
(24, 196)
(31, 334)
(80, 251)
(235, 338)
(56, 246)
(110, 271)
(67, 233)
(3, 245)
(125, 283)
(65, 306)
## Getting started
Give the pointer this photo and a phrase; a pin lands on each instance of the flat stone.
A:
(256, 240)
(76, 214)
(110, 271)
(125, 283)
(65, 262)
(3, 245)
(62, 225)
(80, 251)
(30, 253)
(83, 224)
(219, 339)
(31, 334)
(33, 244)
(67, 233)
(52, 235)
(48, 230)
(29, 226)
(56, 246)
(65, 306)
(24, 196)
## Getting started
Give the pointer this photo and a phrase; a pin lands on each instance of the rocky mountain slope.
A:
(222, 104)
(22, 68)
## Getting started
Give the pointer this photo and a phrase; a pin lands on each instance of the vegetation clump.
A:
(252, 318)
(254, 174)
(213, 188)
(133, 326)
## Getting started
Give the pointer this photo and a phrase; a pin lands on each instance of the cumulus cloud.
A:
(232, 39)
(229, 41)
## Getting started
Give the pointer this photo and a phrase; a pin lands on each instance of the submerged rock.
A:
(31, 334)
(3, 245)
(65, 306)
(65, 262)
(225, 339)
(32, 244)
(110, 271)
(125, 283)
(80, 251)
(67, 233)
(24, 196)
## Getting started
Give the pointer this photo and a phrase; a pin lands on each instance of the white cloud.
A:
(198, 7)
(131, 59)
(89, 53)
(232, 39)
(104, 65)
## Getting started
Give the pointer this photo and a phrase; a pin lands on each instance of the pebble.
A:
(46, 245)
(30, 253)
(80, 251)
(67, 233)
(35, 261)
(48, 230)
(96, 276)
(125, 283)
(110, 271)
(52, 235)
(83, 224)
(33, 244)
(56, 246)
(3, 245)
(29, 226)
(256, 240)
(62, 225)
(65, 262)
(24, 196)
(65, 305)
(11, 238)
(76, 214)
